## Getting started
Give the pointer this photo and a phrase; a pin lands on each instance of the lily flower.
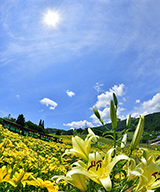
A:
(5, 174)
(81, 148)
(74, 178)
(124, 141)
(48, 184)
(99, 169)
(148, 172)
(20, 177)
(91, 133)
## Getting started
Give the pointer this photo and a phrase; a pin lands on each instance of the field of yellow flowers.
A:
(28, 164)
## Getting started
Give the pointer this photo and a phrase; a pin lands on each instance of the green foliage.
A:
(41, 123)
(21, 120)
(33, 126)
(58, 132)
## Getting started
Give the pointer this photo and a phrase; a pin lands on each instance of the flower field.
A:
(28, 164)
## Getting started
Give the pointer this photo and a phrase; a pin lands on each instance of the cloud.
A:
(49, 102)
(147, 107)
(17, 96)
(97, 87)
(104, 98)
(70, 93)
(103, 103)
(137, 101)
(153, 104)
(79, 124)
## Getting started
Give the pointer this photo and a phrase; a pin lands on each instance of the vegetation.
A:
(116, 169)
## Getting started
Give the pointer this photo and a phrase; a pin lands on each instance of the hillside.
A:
(152, 123)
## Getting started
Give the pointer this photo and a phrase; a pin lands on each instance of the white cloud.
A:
(18, 96)
(97, 87)
(147, 107)
(137, 101)
(104, 98)
(153, 104)
(70, 93)
(103, 103)
(49, 102)
(79, 124)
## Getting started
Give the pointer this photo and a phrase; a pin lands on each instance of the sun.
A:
(51, 18)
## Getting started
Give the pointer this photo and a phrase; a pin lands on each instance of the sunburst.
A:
(51, 18)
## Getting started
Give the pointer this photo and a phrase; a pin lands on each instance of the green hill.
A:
(152, 124)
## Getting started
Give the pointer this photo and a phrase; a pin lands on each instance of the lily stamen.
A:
(93, 164)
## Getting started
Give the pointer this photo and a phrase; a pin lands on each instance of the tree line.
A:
(21, 121)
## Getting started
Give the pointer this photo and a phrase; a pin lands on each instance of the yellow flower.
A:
(148, 172)
(124, 141)
(81, 148)
(48, 184)
(91, 133)
(74, 178)
(99, 169)
(5, 174)
(20, 177)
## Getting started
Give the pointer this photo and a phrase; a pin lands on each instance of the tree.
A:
(80, 131)
(58, 132)
(41, 123)
(21, 120)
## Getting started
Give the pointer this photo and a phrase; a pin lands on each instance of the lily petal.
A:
(107, 184)
(114, 161)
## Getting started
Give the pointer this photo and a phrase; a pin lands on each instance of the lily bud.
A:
(91, 133)
(137, 134)
(113, 115)
(96, 113)
(124, 141)
(128, 122)
(115, 99)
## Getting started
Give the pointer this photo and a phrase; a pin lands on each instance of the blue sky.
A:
(58, 73)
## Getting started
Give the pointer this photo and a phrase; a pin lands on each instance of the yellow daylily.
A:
(81, 148)
(99, 169)
(20, 177)
(148, 172)
(74, 178)
(48, 184)
(5, 174)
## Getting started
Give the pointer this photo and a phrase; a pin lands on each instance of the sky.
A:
(58, 71)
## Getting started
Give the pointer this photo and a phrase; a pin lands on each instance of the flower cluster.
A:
(113, 169)
(28, 163)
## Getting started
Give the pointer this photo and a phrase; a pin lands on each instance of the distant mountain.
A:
(152, 123)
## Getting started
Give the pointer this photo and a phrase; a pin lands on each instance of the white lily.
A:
(99, 169)
(74, 178)
(81, 148)
(124, 141)
(91, 133)
(148, 172)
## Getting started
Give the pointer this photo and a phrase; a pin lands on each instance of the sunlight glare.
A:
(51, 18)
